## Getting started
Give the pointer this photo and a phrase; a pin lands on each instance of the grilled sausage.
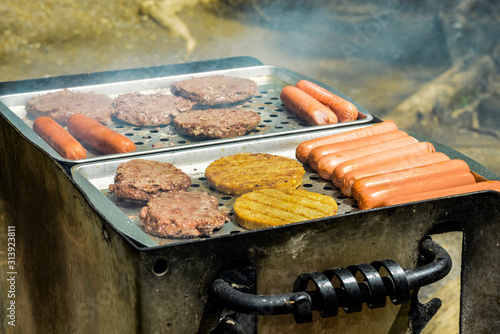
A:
(303, 149)
(320, 151)
(363, 169)
(376, 159)
(99, 136)
(307, 107)
(479, 186)
(328, 163)
(376, 196)
(454, 166)
(343, 109)
(59, 139)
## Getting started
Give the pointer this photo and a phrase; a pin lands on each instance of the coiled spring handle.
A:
(351, 294)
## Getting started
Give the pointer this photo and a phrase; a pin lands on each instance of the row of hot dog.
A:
(316, 105)
(380, 165)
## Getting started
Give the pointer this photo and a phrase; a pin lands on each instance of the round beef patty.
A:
(216, 123)
(215, 89)
(182, 215)
(141, 179)
(149, 109)
(62, 104)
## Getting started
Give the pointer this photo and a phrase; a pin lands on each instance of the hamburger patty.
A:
(272, 207)
(216, 123)
(215, 89)
(62, 104)
(183, 214)
(141, 179)
(149, 109)
(244, 172)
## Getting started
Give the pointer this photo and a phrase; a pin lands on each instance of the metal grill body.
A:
(82, 275)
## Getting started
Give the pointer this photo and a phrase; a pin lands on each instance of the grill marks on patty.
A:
(272, 207)
(141, 179)
(149, 109)
(216, 123)
(60, 105)
(244, 172)
(215, 89)
(183, 214)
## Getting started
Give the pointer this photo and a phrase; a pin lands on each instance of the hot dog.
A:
(479, 186)
(303, 149)
(99, 136)
(59, 139)
(454, 166)
(320, 151)
(376, 159)
(347, 179)
(376, 196)
(307, 107)
(343, 109)
(328, 163)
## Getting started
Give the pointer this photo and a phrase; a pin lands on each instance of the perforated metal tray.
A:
(94, 179)
(276, 120)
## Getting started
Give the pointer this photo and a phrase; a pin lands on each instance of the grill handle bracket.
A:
(350, 295)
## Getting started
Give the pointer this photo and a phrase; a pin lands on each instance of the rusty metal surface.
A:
(480, 291)
(72, 267)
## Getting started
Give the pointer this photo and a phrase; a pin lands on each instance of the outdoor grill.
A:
(85, 265)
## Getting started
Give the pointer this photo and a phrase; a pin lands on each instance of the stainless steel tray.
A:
(95, 178)
(276, 120)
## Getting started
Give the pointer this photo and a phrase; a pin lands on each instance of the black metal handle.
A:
(350, 295)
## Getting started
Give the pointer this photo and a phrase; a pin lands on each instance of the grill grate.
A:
(276, 120)
(310, 182)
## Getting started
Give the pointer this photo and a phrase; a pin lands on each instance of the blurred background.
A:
(430, 66)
